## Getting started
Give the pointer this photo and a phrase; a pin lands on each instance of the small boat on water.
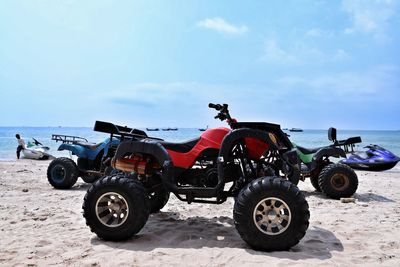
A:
(203, 129)
(152, 129)
(376, 158)
(295, 130)
(170, 129)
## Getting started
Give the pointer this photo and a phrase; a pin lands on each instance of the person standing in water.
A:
(21, 145)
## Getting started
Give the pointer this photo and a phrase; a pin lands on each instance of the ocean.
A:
(308, 138)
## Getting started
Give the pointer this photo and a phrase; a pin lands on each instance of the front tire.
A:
(271, 214)
(116, 208)
(158, 199)
(314, 182)
(338, 180)
(62, 173)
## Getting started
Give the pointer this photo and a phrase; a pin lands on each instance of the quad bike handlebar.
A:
(217, 107)
(223, 113)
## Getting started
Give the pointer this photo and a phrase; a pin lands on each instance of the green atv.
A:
(335, 180)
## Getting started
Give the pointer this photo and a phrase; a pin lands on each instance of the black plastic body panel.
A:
(108, 127)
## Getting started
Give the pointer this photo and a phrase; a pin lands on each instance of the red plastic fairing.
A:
(256, 148)
(211, 138)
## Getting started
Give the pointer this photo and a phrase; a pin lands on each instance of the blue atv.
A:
(93, 159)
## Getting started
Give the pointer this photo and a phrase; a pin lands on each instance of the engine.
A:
(207, 175)
(199, 177)
(141, 165)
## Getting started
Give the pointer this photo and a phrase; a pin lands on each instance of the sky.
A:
(308, 64)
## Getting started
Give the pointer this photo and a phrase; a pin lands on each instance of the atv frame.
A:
(270, 212)
(268, 133)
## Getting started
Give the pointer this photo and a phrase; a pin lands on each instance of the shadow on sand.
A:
(166, 230)
(363, 197)
(370, 197)
(314, 193)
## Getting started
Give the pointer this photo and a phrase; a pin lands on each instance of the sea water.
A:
(308, 138)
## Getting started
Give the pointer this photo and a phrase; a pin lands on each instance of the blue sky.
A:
(309, 64)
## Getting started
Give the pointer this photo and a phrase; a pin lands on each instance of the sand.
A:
(43, 226)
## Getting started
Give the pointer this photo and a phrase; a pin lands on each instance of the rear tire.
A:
(338, 180)
(116, 208)
(271, 214)
(62, 173)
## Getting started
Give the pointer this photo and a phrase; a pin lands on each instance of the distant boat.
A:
(296, 130)
(152, 129)
(203, 129)
(170, 129)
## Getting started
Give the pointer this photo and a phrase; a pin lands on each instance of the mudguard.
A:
(146, 146)
(154, 148)
(75, 150)
(330, 151)
(87, 153)
(290, 157)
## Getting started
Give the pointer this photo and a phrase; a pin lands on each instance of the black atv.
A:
(270, 213)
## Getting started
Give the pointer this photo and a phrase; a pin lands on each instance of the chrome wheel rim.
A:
(112, 209)
(272, 216)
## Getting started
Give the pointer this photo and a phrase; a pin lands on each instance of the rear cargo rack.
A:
(67, 139)
(348, 144)
(123, 132)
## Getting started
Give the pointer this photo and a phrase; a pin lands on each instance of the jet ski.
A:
(376, 158)
(36, 150)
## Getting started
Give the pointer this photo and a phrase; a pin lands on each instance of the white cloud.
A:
(340, 55)
(375, 82)
(222, 26)
(370, 17)
(316, 32)
(275, 54)
(299, 54)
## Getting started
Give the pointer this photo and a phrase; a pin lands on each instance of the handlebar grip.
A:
(215, 106)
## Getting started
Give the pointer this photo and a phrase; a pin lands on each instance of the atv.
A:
(270, 212)
(335, 180)
(93, 159)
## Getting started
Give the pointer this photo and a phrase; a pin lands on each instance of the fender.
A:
(154, 148)
(228, 142)
(146, 146)
(291, 169)
(75, 150)
(331, 151)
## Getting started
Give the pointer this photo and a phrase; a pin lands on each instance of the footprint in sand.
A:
(43, 243)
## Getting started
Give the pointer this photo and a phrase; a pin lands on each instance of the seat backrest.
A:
(332, 134)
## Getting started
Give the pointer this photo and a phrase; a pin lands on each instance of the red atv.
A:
(270, 212)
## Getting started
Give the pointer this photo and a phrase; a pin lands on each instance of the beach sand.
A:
(43, 226)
